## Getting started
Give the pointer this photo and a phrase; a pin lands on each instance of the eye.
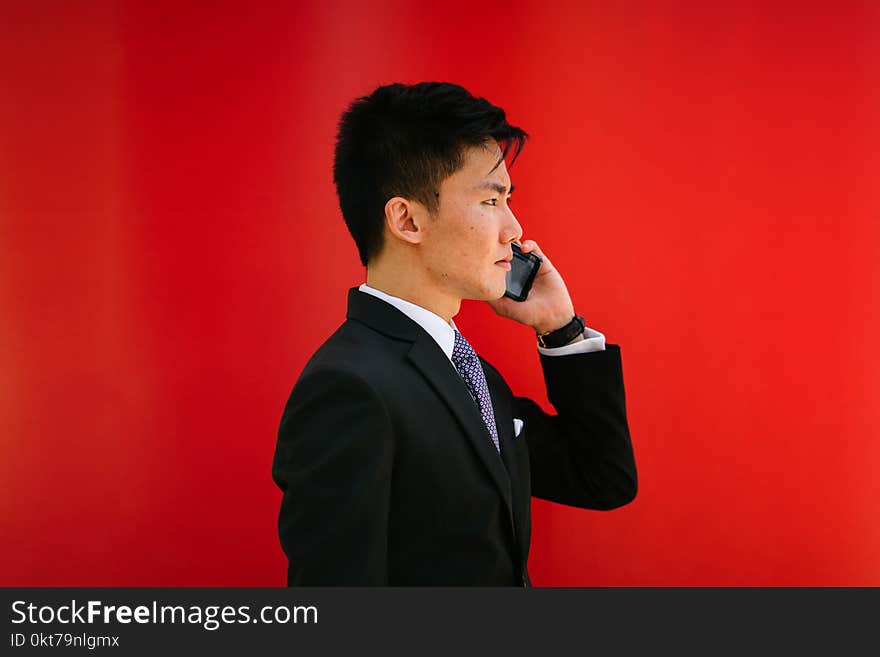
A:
(492, 201)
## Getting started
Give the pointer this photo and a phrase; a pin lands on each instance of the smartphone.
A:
(523, 269)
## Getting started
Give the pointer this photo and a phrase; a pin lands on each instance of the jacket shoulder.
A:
(358, 351)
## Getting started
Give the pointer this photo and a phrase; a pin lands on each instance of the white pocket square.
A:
(517, 426)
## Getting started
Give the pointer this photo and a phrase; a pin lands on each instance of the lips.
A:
(504, 263)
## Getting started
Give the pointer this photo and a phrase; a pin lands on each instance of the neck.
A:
(410, 284)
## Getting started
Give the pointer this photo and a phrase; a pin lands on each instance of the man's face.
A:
(467, 245)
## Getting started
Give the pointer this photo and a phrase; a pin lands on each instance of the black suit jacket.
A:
(388, 473)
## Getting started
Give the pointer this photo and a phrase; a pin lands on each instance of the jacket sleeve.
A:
(583, 455)
(333, 464)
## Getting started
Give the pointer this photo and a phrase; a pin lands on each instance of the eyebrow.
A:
(497, 187)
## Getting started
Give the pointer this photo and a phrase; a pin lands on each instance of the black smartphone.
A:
(523, 269)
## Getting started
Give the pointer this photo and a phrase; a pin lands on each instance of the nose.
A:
(512, 231)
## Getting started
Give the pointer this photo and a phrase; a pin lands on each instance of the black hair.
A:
(404, 140)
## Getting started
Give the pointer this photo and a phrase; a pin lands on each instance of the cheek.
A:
(469, 241)
(480, 228)
(476, 241)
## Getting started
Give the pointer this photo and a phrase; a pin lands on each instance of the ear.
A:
(404, 220)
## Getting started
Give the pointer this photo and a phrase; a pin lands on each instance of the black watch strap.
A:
(562, 336)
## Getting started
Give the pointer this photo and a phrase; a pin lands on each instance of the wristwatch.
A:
(562, 336)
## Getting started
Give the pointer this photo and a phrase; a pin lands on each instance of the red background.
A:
(171, 252)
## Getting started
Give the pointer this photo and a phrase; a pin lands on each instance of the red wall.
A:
(171, 252)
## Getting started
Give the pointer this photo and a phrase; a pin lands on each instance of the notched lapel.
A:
(427, 356)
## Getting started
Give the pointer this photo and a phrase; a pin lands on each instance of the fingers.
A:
(532, 245)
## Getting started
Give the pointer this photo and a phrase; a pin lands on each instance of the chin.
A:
(486, 294)
(489, 289)
(497, 291)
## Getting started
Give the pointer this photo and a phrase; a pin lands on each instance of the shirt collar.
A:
(438, 328)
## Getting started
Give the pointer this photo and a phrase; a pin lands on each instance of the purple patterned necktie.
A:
(468, 365)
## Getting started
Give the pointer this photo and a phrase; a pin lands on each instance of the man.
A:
(404, 459)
